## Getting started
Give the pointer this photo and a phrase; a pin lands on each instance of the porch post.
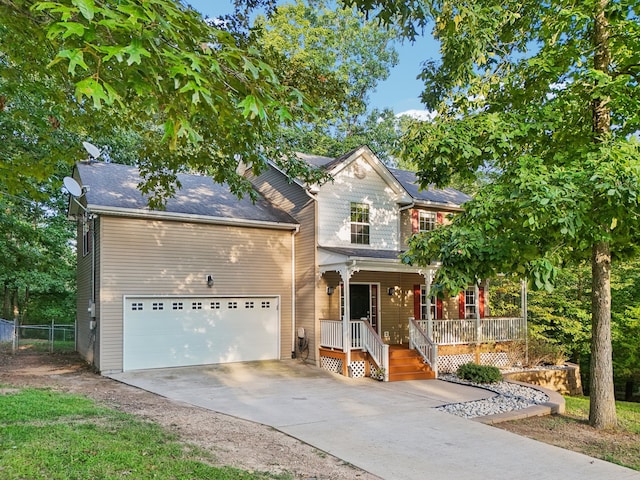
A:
(476, 295)
(427, 279)
(346, 323)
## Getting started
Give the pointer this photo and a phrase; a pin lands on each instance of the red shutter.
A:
(439, 218)
(417, 311)
(415, 222)
(461, 312)
(481, 301)
(438, 309)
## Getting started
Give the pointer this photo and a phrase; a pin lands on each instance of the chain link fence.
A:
(58, 338)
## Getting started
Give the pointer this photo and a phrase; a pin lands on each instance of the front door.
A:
(363, 303)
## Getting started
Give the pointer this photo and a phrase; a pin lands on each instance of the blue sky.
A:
(400, 92)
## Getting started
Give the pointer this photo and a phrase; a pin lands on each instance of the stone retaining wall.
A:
(564, 380)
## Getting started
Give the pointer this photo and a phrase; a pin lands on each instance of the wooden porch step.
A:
(405, 364)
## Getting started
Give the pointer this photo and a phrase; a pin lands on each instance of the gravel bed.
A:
(509, 396)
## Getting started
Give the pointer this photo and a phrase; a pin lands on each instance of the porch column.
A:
(427, 280)
(345, 275)
(476, 295)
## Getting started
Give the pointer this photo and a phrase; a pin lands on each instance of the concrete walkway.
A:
(388, 429)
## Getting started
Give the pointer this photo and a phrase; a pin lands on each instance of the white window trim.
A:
(427, 218)
(423, 304)
(366, 208)
(470, 303)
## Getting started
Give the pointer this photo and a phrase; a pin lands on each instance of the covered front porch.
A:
(377, 320)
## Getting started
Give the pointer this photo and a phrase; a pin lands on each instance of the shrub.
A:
(479, 373)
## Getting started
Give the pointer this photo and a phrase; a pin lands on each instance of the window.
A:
(248, 304)
(137, 306)
(86, 238)
(196, 305)
(177, 306)
(470, 302)
(360, 223)
(232, 305)
(215, 305)
(428, 221)
(432, 303)
(266, 304)
(158, 306)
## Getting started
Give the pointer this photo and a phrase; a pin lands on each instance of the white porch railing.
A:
(331, 334)
(466, 331)
(419, 340)
(363, 337)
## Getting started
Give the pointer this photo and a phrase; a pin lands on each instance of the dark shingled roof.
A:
(446, 196)
(114, 185)
(364, 252)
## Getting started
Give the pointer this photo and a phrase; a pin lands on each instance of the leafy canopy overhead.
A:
(514, 91)
(196, 95)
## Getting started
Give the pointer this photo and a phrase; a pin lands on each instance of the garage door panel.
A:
(188, 331)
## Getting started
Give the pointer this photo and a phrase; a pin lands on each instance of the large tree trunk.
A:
(602, 411)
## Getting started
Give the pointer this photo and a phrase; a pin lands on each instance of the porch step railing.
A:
(363, 337)
(427, 348)
(466, 331)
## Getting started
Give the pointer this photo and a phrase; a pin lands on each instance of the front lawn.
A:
(50, 435)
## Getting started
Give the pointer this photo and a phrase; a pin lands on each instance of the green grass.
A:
(628, 412)
(44, 346)
(50, 435)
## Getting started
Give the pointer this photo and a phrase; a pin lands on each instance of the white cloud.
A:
(424, 115)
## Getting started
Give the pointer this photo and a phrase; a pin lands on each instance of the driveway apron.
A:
(388, 429)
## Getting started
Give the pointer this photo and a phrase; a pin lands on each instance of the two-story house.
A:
(214, 279)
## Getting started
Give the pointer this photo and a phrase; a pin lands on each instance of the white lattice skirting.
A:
(332, 364)
(450, 363)
(357, 369)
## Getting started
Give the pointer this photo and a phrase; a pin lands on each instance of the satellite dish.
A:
(93, 151)
(72, 187)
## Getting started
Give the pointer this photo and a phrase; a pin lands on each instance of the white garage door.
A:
(179, 331)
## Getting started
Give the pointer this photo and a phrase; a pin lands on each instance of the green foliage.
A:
(479, 373)
(545, 97)
(37, 268)
(542, 351)
(336, 57)
(59, 436)
(194, 96)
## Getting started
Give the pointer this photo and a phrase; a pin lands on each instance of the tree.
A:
(37, 260)
(195, 95)
(545, 97)
(336, 57)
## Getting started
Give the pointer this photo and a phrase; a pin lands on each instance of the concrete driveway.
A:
(388, 429)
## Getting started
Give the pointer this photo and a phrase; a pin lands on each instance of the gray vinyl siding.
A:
(150, 257)
(293, 199)
(86, 340)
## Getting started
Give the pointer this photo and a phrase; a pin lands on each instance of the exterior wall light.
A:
(391, 291)
(329, 290)
(209, 281)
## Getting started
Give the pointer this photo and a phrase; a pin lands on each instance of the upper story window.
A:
(86, 238)
(360, 223)
(428, 221)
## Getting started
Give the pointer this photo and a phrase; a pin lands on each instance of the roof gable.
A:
(350, 162)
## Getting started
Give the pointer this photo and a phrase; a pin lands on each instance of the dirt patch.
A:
(233, 442)
(576, 434)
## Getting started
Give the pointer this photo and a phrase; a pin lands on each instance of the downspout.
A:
(293, 291)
